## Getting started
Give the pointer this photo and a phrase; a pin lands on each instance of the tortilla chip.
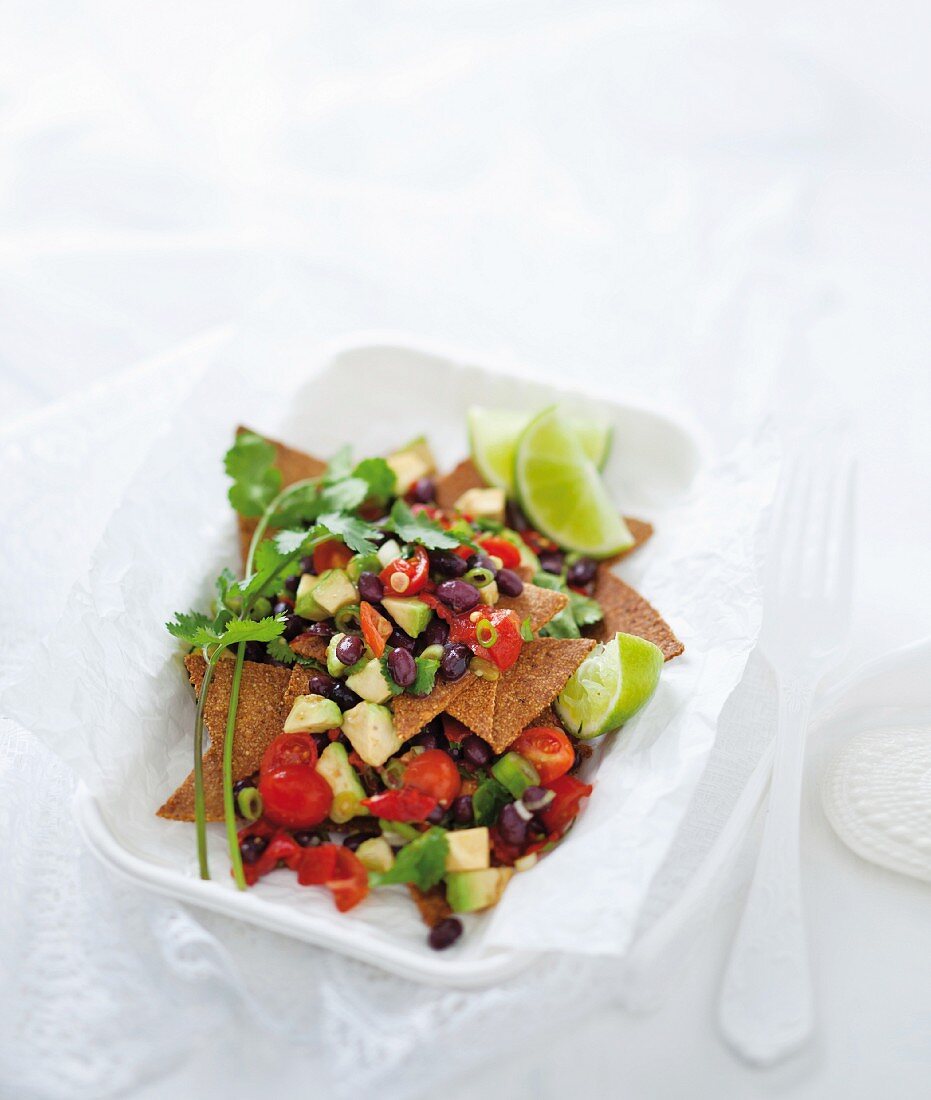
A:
(539, 675)
(451, 486)
(627, 611)
(259, 719)
(546, 717)
(475, 707)
(413, 712)
(299, 684)
(310, 645)
(432, 904)
(540, 604)
(640, 530)
(294, 466)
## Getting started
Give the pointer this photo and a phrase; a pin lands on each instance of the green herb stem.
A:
(262, 526)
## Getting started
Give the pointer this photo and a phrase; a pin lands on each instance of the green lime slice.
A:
(561, 492)
(613, 682)
(493, 435)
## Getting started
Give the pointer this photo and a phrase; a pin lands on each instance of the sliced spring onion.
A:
(485, 633)
(249, 802)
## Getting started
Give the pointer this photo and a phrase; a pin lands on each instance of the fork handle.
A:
(766, 1003)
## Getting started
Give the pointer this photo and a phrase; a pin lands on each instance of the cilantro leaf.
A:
(420, 528)
(339, 466)
(250, 462)
(526, 630)
(379, 477)
(344, 495)
(584, 609)
(303, 505)
(422, 862)
(561, 626)
(356, 533)
(393, 687)
(288, 543)
(549, 580)
(426, 675)
(488, 801)
(240, 630)
(279, 650)
(188, 624)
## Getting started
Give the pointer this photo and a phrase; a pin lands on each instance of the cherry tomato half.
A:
(350, 881)
(375, 628)
(331, 554)
(435, 773)
(548, 749)
(562, 811)
(296, 797)
(288, 749)
(498, 627)
(501, 548)
(406, 576)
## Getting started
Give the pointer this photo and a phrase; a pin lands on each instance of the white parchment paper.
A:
(119, 710)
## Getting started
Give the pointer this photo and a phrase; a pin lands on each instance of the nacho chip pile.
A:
(495, 710)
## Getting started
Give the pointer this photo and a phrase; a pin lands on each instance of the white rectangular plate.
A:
(371, 395)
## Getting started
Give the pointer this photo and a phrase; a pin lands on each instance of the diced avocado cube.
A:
(334, 590)
(387, 552)
(375, 854)
(468, 849)
(411, 614)
(467, 891)
(370, 730)
(370, 683)
(516, 773)
(489, 593)
(304, 603)
(410, 464)
(343, 778)
(362, 563)
(482, 504)
(313, 714)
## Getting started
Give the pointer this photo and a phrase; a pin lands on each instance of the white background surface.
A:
(721, 206)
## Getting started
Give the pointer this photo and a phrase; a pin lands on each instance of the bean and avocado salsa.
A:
(396, 686)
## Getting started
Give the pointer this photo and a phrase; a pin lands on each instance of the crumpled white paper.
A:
(119, 710)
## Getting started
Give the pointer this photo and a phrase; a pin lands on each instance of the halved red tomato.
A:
(548, 749)
(288, 749)
(295, 797)
(501, 548)
(349, 883)
(562, 811)
(435, 773)
(405, 804)
(331, 554)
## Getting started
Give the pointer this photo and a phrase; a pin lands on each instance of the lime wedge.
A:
(613, 682)
(493, 435)
(561, 492)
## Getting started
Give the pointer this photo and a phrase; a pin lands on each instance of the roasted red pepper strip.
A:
(317, 865)
(376, 630)
(406, 576)
(405, 804)
(505, 630)
(349, 882)
(501, 548)
(332, 554)
(282, 848)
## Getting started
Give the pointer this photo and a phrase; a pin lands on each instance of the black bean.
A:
(431, 736)
(423, 491)
(320, 683)
(251, 847)
(370, 587)
(435, 633)
(283, 606)
(445, 933)
(344, 697)
(511, 826)
(463, 812)
(243, 785)
(320, 739)
(475, 752)
(402, 667)
(535, 798)
(349, 649)
(307, 838)
(400, 640)
(509, 583)
(581, 572)
(515, 517)
(455, 662)
(294, 625)
(458, 595)
(353, 840)
(307, 564)
(446, 563)
(255, 651)
(436, 815)
(551, 561)
(291, 583)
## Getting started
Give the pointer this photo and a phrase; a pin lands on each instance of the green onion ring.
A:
(249, 802)
(485, 633)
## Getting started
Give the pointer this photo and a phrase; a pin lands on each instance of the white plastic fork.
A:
(766, 1004)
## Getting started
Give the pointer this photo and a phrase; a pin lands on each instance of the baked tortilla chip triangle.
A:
(625, 610)
(538, 676)
(451, 486)
(475, 707)
(539, 604)
(413, 712)
(310, 645)
(259, 719)
(299, 684)
(294, 466)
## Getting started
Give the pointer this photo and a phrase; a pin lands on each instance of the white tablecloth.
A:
(719, 205)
